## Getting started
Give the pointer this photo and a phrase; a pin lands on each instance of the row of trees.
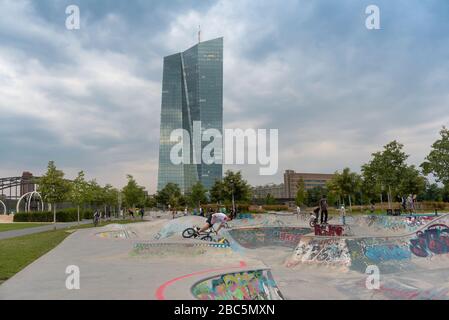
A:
(55, 189)
(388, 175)
(232, 189)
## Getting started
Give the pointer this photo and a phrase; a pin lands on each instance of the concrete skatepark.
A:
(271, 256)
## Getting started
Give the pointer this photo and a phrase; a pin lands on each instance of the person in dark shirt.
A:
(323, 208)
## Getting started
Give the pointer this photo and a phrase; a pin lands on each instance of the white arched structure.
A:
(28, 204)
(4, 207)
(35, 193)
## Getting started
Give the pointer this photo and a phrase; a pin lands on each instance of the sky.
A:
(90, 99)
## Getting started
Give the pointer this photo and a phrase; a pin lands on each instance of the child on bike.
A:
(213, 219)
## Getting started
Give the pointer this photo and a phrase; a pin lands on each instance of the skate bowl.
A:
(243, 285)
(257, 237)
(427, 247)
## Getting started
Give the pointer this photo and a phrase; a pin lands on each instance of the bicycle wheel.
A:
(207, 238)
(188, 233)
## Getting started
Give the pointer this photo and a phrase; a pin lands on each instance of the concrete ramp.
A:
(253, 238)
(428, 247)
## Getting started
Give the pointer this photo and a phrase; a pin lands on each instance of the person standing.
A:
(142, 212)
(298, 211)
(343, 214)
(323, 209)
(185, 211)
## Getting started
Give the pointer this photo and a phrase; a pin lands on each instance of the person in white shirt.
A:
(213, 219)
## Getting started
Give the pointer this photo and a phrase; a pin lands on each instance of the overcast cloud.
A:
(90, 98)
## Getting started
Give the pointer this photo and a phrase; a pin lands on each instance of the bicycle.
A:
(205, 235)
(313, 221)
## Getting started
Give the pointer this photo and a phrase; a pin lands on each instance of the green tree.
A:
(110, 197)
(387, 169)
(314, 195)
(133, 194)
(432, 193)
(198, 195)
(95, 193)
(270, 200)
(345, 184)
(169, 195)
(412, 182)
(53, 187)
(371, 187)
(79, 192)
(301, 194)
(235, 188)
(151, 202)
(437, 161)
(217, 193)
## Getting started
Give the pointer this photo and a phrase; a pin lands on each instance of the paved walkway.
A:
(49, 227)
(111, 269)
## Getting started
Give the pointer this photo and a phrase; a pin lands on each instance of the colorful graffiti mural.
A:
(252, 238)
(379, 253)
(249, 285)
(394, 223)
(325, 251)
(329, 230)
(433, 240)
(390, 255)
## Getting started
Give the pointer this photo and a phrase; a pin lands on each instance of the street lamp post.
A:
(233, 198)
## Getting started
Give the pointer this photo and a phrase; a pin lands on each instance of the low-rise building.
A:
(311, 180)
(277, 191)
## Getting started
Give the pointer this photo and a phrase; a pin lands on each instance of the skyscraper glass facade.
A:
(192, 90)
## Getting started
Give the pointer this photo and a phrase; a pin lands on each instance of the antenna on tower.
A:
(199, 33)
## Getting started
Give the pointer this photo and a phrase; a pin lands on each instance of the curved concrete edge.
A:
(243, 284)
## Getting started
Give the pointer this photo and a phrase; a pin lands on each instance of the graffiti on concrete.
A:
(329, 230)
(418, 221)
(251, 238)
(249, 285)
(325, 251)
(113, 235)
(390, 255)
(396, 223)
(379, 253)
(433, 240)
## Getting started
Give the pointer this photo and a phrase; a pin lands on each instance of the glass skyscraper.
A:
(192, 90)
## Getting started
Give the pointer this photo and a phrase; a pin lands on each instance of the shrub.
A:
(242, 207)
(64, 215)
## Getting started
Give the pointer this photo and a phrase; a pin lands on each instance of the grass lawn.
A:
(17, 253)
(16, 226)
